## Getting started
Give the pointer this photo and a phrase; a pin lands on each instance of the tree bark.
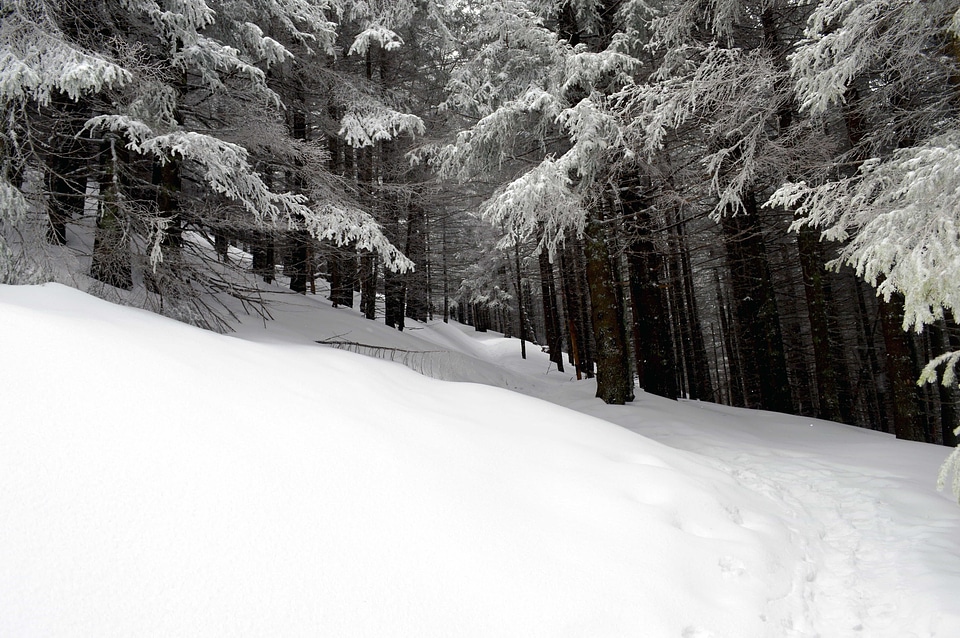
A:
(901, 371)
(614, 381)
(827, 367)
(416, 250)
(762, 363)
(651, 317)
(111, 252)
(551, 313)
(698, 368)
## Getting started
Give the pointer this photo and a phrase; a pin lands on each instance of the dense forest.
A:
(750, 202)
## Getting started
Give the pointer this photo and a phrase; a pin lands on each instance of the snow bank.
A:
(158, 480)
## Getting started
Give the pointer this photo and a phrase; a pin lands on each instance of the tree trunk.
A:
(947, 339)
(698, 367)
(519, 288)
(870, 388)
(827, 367)
(614, 381)
(901, 371)
(569, 287)
(394, 284)
(762, 363)
(264, 259)
(551, 313)
(65, 170)
(368, 284)
(651, 317)
(297, 263)
(416, 250)
(588, 343)
(111, 252)
(367, 171)
(444, 270)
(732, 347)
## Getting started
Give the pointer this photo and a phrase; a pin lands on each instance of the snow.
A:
(159, 480)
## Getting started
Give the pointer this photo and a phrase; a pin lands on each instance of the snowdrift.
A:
(159, 480)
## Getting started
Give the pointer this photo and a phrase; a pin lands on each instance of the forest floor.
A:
(159, 480)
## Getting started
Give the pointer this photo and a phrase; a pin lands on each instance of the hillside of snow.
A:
(160, 480)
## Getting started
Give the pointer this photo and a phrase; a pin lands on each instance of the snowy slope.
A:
(158, 480)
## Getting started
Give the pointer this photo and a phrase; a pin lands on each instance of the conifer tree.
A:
(181, 91)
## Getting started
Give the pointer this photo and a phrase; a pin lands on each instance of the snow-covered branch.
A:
(901, 217)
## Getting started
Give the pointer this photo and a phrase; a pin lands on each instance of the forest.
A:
(748, 202)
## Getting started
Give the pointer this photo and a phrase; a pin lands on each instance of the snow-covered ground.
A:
(159, 480)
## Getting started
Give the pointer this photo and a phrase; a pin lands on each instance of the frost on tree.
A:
(173, 86)
(896, 214)
(538, 95)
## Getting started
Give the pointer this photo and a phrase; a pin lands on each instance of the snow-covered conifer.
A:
(176, 82)
(885, 74)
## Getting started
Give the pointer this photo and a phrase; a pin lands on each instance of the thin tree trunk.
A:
(763, 363)
(368, 259)
(827, 368)
(551, 313)
(111, 252)
(693, 332)
(416, 250)
(519, 288)
(264, 260)
(574, 302)
(444, 271)
(368, 284)
(735, 387)
(65, 166)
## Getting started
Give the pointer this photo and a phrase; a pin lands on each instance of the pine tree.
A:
(182, 93)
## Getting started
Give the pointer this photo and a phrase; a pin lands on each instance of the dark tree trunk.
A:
(945, 339)
(837, 308)
(651, 316)
(367, 171)
(479, 317)
(763, 364)
(551, 312)
(698, 368)
(342, 264)
(416, 250)
(444, 271)
(169, 182)
(588, 343)
(730, 344)
(614, 380)
(573, 304)
(828, 368)
(298, 263)
(394, 284)
(870, 388)
(368, 284)
(264, 259)
(901, 371)
(394, 290)
(518, 286)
